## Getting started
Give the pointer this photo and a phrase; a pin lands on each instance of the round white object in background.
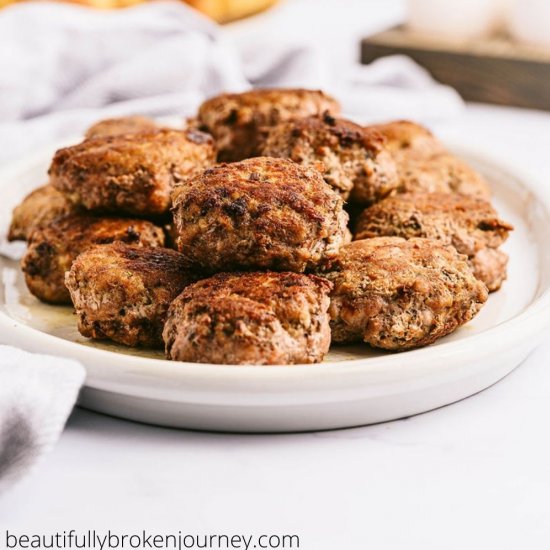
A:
(529, 21)
(455, 18)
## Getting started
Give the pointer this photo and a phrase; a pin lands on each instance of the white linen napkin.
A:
(64, 66)
(37, 394)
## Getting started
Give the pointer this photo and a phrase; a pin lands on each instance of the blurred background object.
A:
(464, 19)
(230, 10)
(529, 22)
(493, 51)
(100, 4)
(221, 11)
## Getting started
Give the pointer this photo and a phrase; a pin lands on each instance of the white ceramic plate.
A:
(354, 386)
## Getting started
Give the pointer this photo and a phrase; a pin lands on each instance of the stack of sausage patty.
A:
(230, 241)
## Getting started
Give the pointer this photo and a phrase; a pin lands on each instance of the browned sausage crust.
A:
(424, 165)
(37, 209)
(250, 319)
(131, 173)
(122, 125)
(471, 225)
(407, 139)
(122, 293)
(238, 122)
(399, 294)
(351, 158)
(53, 248)
(443, 173)
(261, 213)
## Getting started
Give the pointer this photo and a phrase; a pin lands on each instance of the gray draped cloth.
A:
(37, 394)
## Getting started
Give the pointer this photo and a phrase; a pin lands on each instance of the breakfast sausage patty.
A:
(352, 159)
(261, 213)
(122, 293)
(399, 294)
(37, 209)
(471, 225)
(424, 164)
(131, 173)
(443, 173)
(409, 139)
(238, 122)
(250, 319)
(53, 248)
(118, 126)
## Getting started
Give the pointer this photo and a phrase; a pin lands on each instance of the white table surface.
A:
(475, 474)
